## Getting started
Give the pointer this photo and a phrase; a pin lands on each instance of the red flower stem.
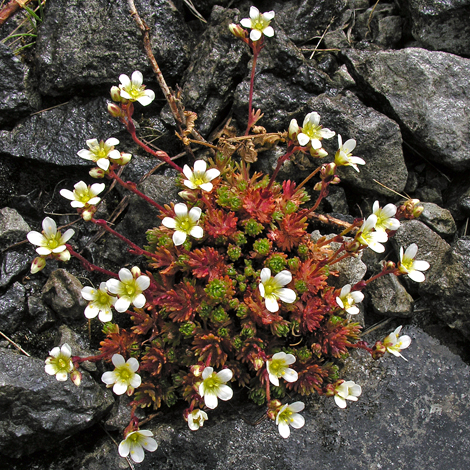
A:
(160, 154)
(135, 248)
(384, 272)
(256, 51)
(131, 186)
(290, 150)
(79, 360)
(268, 391)
(90, 266)
(362, 345)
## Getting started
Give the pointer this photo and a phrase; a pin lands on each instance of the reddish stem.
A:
(131, 186)
(290, 150)
(90, 266)
(256, 51)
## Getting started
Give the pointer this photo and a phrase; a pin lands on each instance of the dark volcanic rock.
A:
(37, 411)
(429, 101)
(438, 25)
(100, 41)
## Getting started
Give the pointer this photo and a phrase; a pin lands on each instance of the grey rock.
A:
(439, 219)
(41, 315)
(13, 228)
(16, 96)
(440, 26)
(141, 216)
(62, 293)
(12, 308)
(373, 132)
(99, 42)
(389, 298)
(336, 200)
(38, 411)
(404, 405)
(217, 66)
(420, 98)
(14, 263)
(302, 20)
(55, 136)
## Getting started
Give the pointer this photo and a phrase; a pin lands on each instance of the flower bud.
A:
(237, 30)
(38, 264)
(76, 377)
(318, 186)
(197, 370)
(389, 266)
(293, 129)
(318, 153)
(97, 173)
(136, 272)
(88, 213)
(64, 256)
(273, 409)
(417, 211)
(116, 94)
(258, 363)
(114, 110)
(378, 350)
(124, 159)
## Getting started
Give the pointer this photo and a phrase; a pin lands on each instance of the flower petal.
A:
(287, 295)
(225, 392)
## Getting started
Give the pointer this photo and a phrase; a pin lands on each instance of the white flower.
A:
(385, 219)
(132, 89)
(366, 235)
(59, 363)
(199, 177)
(123, 378)
(184, 224)
(347, 391)
(83, 195)
(100, 302)
(135, 443)
(213, 386)
(312, 132)
(196, 419)
(287, 416)
(347, 299)
(50, 241)
(408, 264)
(395, 344)
(129, 288)
(278, 367)
(343, 155)
(272, 288)
(100, 152)
(259, 24)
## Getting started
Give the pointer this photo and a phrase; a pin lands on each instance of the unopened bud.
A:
(318, 153)
(76, 377)
(38, 264)
(64, 256)
(293, 129)
(378, 350)
(114, 110)
(417, 211)
(188, 196)
(258, 363)
(318, 186)
(136, 272)
(197, 370)
(237, 30)
(124, 159)
(328, 171)
(97, 173)
(389, 266)
(116, 94)
(88, 213)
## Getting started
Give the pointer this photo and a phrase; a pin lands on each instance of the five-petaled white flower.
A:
(50, 241)
(278, 366)
(83, 195)
(213, 386)
(343, 155)
(395, 344)
(100, 302)
(312, 132)
(59, 363)
(347, 300)
(347, 390)
(132, 89)
(408, 264)
(135, 443)
(289, 415)
(385, 219)
(199, 177)
(184, 223)
(123, 378)
(373, 239)
(272, 289)
(196, 419)
(129, 288)
(259, 24)
(99, 152)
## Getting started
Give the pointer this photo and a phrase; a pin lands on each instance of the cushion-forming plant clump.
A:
(236, 291)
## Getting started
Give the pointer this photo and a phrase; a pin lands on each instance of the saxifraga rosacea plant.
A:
(235, 290)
